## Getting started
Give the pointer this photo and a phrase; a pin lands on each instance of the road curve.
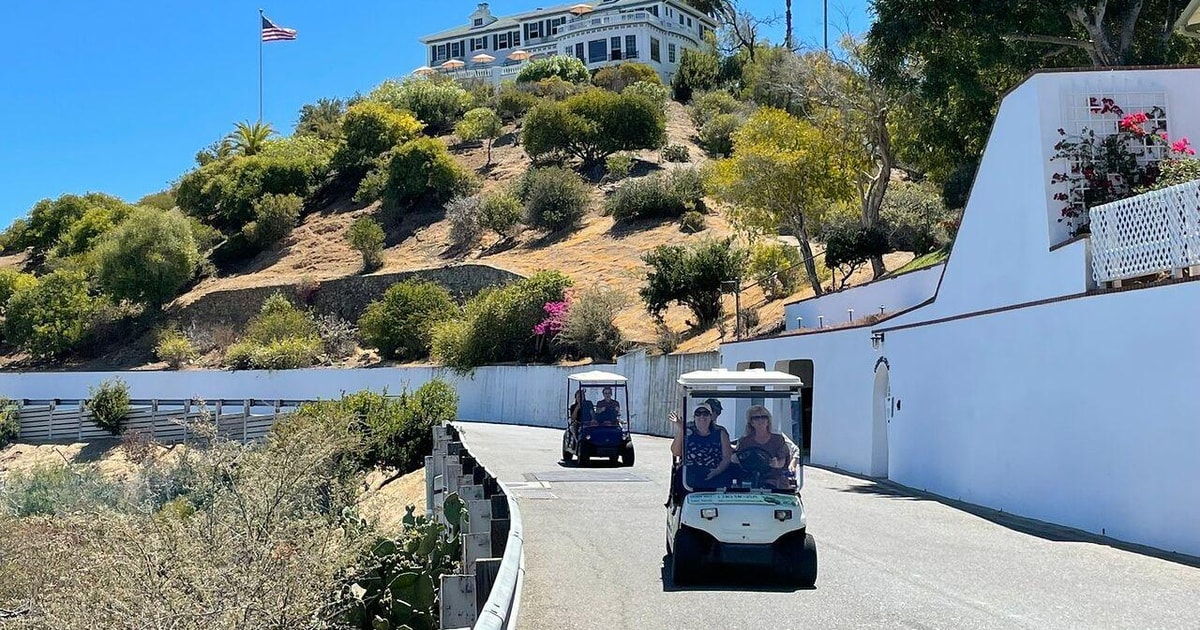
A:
(888, 558)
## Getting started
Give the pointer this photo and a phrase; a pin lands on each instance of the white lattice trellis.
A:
(1100, 110)
(1154, 232)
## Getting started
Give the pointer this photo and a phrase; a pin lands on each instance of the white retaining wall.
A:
(1081, 412)
(534, 395)
(894, 295)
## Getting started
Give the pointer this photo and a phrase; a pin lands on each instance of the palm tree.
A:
(717, 8)
(787, 37)
(249, 139)
(321, 119)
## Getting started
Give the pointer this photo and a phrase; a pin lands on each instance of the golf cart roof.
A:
(596, 377)
(754, 377)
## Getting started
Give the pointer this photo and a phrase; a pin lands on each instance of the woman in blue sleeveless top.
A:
(709, 452)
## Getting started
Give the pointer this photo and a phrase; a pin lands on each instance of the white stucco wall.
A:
(894, 295)
(534, 395)
(1078, 412)
(843, 367)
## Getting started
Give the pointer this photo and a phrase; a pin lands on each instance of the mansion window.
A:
(505, 41)
(670, 53)
(655, 50)
(631, 51)
(597, 51)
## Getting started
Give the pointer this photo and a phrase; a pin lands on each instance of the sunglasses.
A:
(760, 417)
(702, 412)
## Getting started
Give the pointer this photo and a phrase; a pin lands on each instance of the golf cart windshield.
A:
(745, 445)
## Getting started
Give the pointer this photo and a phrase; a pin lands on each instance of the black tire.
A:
(686, 561)
(567, 456)
(612, 459)
(627, 456)
(583, 454)
(796, 561)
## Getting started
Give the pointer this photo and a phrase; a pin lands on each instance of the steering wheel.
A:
(754, 460)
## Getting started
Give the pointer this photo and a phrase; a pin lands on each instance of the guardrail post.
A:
(50, 427)
(458, 601)
(477, 536)
(486, 570)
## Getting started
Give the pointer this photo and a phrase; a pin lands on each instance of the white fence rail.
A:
(164, 421)
(1155, 232)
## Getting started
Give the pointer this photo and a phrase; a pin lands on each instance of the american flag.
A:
(272, 33)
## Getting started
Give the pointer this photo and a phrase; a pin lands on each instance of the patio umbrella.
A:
(580, 9)
(483, 58)
(453, 64)
(519, 55)
(424, 71)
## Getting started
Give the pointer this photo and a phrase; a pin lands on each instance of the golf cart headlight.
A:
(783, 515)
(708, 513)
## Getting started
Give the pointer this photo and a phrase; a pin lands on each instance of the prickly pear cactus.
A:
(395, 584)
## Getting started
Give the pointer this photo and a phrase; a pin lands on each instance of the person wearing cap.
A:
(709, 453)
(608, 410)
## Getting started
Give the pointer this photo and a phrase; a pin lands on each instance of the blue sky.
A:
(119, 100)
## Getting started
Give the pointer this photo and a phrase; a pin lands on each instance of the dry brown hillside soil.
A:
(598, 253)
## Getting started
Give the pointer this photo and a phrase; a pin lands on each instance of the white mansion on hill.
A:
(653, 32)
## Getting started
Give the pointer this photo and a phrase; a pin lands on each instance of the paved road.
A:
(888, 558)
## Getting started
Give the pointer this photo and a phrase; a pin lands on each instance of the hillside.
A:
(600, 252)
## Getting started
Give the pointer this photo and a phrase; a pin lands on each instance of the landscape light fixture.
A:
(876, 340)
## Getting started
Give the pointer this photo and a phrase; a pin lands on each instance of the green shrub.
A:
(691, 276)
(912, 216)
(12, 281)
(657, 196)
(480, 124)
(617, 78)
(848, 245)
(716, 136)
(322, 119)
(706, 106)
(498, 324)
(654, 92)
(676, 153)
(280, 337)
(339, 336)
(366, 237)
(463, 214)
(564, 67)
(589, 329)
(512, 102)
(84, 233)
(618, 166)
(593, 125)
(698, 71)
(51, 317)
(692, 222)
(12, 236)
(223, 192)
(501, 213)
(46, 490)
(1175, 171)
(401, 324)
(368, 130)
(50, 220)
(555, 198)
(420, 172)
(776, 267)
(175, 349)
(109, 404)
(957, 188)
(10, 421)
(552, 89)
(436, 101)
(148, 258)
(275, 216)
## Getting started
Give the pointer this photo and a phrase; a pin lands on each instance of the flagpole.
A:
(260, 64)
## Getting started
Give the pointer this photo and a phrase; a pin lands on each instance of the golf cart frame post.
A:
(599, 438)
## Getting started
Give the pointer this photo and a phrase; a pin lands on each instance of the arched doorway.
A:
(879, 425)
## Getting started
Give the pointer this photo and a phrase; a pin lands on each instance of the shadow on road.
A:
(595, 463)
(732, 578)
(1041, 529)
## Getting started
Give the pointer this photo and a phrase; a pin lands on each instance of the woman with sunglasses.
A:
(709, 452)
(761, 452)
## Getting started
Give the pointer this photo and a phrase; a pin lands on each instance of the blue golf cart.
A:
(597, 418)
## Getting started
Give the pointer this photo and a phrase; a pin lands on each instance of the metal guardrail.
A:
(486, 594)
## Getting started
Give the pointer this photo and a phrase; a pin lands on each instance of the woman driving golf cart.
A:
(762, 454)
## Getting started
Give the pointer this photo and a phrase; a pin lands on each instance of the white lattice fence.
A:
(1150, 233)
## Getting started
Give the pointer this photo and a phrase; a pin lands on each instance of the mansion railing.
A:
(1155, 232)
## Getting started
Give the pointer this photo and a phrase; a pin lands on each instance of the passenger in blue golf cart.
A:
(597, 429)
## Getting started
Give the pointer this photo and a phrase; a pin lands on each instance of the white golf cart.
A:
(752, 514)
(601, 427)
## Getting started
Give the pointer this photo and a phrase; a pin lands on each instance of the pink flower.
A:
(1133, 123)
(556, 318)
(1183, 146)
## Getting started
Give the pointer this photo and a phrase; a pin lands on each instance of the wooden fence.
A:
(165, 421)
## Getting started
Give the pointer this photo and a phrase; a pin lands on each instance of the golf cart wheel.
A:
(567, 456)
(797, 561)
(612, 459)
(627, 455)
(583, 454)
(686, 561)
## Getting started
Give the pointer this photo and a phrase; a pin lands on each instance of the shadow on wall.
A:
(1047, 531)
